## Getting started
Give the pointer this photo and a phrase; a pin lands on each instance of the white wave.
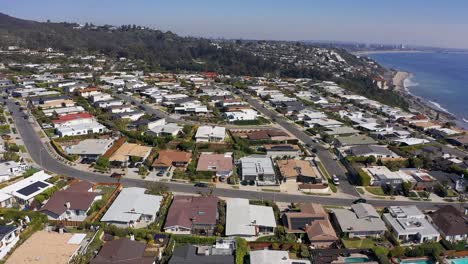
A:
(408, 82)
(464, 120)
(440, 107)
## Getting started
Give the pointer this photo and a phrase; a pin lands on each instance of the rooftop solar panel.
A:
(30, 189)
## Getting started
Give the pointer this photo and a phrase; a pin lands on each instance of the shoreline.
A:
(420, 104)
(369, 52)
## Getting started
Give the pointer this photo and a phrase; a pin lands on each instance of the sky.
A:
(413, 22)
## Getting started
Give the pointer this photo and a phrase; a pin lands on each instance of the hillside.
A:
(170, 52)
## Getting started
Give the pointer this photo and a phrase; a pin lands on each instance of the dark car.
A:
(160, 173)
(360, 200)
(201, 185)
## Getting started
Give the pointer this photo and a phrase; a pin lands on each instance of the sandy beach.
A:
(399, 80)
(418, 104)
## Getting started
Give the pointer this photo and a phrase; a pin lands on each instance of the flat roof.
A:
(242, 217)
(90, 147)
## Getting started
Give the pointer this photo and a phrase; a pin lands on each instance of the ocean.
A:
(440, 78)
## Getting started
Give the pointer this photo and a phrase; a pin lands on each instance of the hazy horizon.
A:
(420, 23)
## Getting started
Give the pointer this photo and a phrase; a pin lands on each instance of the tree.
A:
(370, 160)
(142, 170)
(102, 163)
(406, 187)
(415, 162)
(11, 156)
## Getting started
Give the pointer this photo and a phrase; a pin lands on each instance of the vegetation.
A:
(242, 250)
(363, 178)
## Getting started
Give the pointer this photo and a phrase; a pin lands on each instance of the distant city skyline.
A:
(417, 22)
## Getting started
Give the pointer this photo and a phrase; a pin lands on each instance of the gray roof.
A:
(363, 150)
(364, 210)
(406, 220)
(242, 217)
(356, 140)
(188, 255)
(131, 204)
(341, 130)
(273, 257)
(352, 221)
(256, 165)
(90, 147)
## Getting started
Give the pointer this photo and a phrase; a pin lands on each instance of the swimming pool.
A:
(417, 261)
(356, 260)
(460, 261)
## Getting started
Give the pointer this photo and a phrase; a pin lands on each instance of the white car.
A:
(336, 180)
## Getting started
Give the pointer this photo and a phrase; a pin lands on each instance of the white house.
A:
(10, 169)
(133, 208)
(247, 220)
(81, 129)
(241, 114)
(210, 134)
(8, 239)
(101, 97)
(25, 190)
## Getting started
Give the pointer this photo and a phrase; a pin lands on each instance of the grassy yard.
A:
(358, 243)
(375, 190)
(360, 190)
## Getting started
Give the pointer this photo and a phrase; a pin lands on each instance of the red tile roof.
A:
(70, 117)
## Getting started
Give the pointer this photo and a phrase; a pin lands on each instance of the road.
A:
(332, 166)
(41, 156)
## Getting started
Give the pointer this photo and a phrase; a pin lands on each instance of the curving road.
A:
(41, 156)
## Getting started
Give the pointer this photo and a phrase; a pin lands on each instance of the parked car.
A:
(160, 173)
(201, 185)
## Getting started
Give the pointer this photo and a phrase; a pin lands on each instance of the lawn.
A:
(360, 190)
(358, 243)
(375, 190)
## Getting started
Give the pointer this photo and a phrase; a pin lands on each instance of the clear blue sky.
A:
(422, 22)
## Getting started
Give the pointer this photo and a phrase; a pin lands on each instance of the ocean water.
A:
(440, 78)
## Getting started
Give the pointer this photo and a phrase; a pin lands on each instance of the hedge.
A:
(242, 249)
(363, 178)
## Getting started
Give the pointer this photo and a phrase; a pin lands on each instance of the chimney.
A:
(67, 204)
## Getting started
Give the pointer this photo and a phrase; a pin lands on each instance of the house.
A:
(451, 223)
(64, 111)
(259, 169)
(247, 220)
(89, 91)
(312, 219)
(133, 115)
(172, 158)
(219, 253)
(100, 97)
(8, 239)
(90, 149)
(354, 140)
(221, 164)
(380, 152)
(192, 215)
(123, 250)
(92, 127)
(267, 256)
(133, 208)
(409, 225)
(411, 141)
(24, 191)
(127, 150)
(362, 220)
(9, 169)
(241, 114)
(73, 119)
(298, 171)
(210, 134)
(381, 176)
(461, 141)
(282, 150)
(72, 203)
(160, 127)
(116, 109)
(108, 103)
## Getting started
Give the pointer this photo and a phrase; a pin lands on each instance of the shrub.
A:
(242, 250)
(363, 178)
